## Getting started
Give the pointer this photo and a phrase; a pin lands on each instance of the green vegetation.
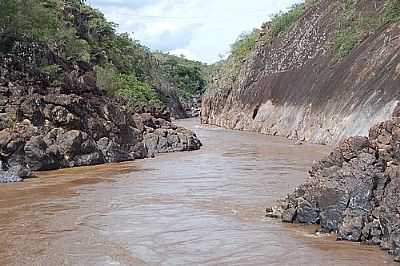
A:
(74, 32)
(355, 26)
(185, 75)
(281, 22)
(392, 11)
(135, 91)
(243, 45)
(51, 70)
(26, 19)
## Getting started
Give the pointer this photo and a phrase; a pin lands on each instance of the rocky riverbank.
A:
(44, 126)
(354, 191)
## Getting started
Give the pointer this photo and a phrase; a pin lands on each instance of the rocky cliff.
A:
(44, 126)
(294, 84)
(354, 191)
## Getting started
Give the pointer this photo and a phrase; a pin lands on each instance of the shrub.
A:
(32, 19)
(185, 75)
(345, 41)
(281, 22)
(137, 93)
(71, 31)
(243, 45)
(105, 79)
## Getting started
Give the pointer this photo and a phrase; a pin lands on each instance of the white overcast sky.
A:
(199, 29)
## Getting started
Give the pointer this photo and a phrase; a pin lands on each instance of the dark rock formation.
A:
(180, 107)
(43, 127)
(354, 191)
(294, 85)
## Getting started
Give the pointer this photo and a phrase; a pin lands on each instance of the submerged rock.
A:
(354, 191)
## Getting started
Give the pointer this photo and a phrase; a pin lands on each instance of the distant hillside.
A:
(188, 80)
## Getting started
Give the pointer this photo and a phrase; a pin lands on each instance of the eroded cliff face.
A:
(294, 85)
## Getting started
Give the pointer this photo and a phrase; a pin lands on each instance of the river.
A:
(198, 208)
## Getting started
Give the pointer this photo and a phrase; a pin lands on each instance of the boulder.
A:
(45, 128)
(354, 191)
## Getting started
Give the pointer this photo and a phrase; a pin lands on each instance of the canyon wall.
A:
(295, 86)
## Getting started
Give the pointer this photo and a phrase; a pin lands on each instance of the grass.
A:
(354, 27)
(281, 22)
(244, 44)
(392, 11)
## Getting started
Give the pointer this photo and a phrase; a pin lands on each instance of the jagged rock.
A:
(112, 151)
(74, 125)
(164, 140)
(39, 156)
(61, 116)
(354, 191)
(15, 173)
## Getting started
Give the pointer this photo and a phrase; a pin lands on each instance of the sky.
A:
(200, 30)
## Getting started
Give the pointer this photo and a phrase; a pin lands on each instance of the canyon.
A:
(318, 81)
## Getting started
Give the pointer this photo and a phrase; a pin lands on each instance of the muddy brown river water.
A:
(199, 208)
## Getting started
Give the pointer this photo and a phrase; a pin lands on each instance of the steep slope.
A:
(73, 92)
(76, 32)
(45, 127)
(294, 83)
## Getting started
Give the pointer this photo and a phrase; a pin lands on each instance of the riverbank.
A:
(46, 128)
(354, 190)
(204, 207)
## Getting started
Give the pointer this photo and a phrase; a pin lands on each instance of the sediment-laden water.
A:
(199, 208)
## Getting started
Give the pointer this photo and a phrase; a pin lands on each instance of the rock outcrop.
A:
(354, 191)
(45, 127)
(295, 86)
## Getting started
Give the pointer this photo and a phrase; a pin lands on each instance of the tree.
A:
(27, 19)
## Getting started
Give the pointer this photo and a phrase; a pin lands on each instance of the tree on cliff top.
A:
(74, 32)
